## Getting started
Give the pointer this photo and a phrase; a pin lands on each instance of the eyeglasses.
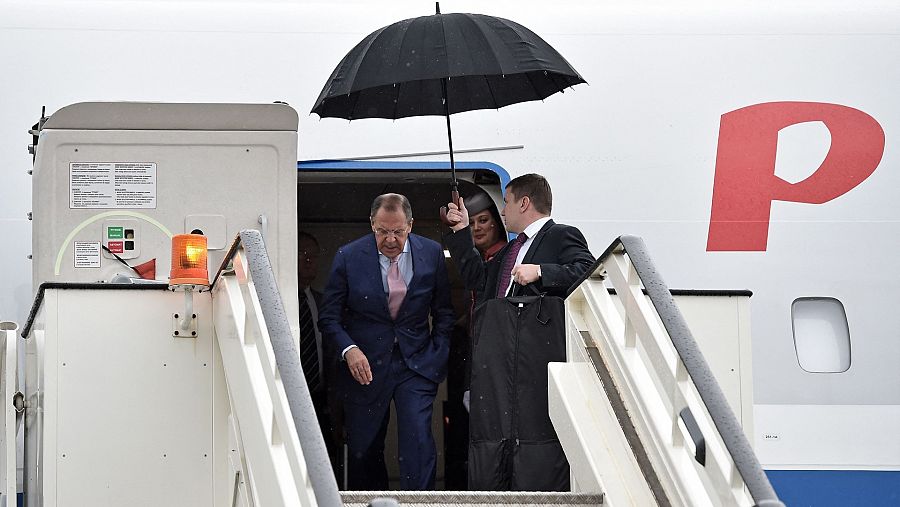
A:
(399, 233)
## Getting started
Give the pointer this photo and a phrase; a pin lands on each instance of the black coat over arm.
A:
(512, 442)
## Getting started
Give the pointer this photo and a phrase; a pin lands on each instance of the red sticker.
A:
(116, 246)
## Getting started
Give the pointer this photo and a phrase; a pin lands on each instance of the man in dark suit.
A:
(319, 362)
(375, 310)
(510, 379)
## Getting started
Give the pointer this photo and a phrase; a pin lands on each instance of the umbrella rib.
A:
(446, 96)
(396, 100)
(537, 93)
(491, 91)
(396, 66)
(372, 38)
(559, 81)
(512, 25)
(355, 102)
(350, 71)
(481, 29)
(552, 77)
(444, 38)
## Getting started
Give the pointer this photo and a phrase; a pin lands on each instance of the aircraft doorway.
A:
(333, 205)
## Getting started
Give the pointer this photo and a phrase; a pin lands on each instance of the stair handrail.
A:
(727, 425)
(287, 360)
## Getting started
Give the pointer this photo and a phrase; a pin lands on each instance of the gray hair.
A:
(392, 202)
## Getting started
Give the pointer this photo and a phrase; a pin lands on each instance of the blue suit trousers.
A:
(366, 425)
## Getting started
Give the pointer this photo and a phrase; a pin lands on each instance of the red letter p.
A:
(745, 182)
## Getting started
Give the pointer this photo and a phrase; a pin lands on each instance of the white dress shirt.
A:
(404, 263)
(530, 231)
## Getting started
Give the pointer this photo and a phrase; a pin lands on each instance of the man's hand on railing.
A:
(358, 364)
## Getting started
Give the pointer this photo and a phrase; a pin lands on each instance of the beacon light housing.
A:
(189, 260)
(189, 273)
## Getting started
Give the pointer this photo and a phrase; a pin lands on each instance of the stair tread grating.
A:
(473, 498)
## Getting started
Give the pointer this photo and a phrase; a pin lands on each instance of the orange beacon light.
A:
(189, 255)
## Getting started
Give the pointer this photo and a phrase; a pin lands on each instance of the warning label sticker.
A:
(87, 254)
(99, 185)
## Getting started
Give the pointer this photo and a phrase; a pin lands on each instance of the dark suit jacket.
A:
(354, 311)
(561, 251)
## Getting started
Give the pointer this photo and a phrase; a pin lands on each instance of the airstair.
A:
(637, 408)
(120, 409)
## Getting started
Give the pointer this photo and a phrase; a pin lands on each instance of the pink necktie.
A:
(396, 288)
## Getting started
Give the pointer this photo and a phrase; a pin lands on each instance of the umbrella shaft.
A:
(452, 164)
(449, 133)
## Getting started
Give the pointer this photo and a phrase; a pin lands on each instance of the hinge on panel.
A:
(35, 132)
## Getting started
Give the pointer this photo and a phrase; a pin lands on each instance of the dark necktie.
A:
(509, 261)
(309, 349)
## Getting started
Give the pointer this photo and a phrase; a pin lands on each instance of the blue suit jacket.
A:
(354, 311)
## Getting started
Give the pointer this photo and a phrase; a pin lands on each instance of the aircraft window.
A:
(821, 334)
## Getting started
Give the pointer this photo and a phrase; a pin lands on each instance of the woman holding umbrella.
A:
(489, 237)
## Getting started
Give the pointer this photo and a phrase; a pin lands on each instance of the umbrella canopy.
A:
(484, 62)
(443, 64)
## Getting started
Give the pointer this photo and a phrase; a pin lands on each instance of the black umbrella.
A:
(440, 65)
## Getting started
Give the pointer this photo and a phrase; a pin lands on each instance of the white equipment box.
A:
(120, 412)
(121, 178)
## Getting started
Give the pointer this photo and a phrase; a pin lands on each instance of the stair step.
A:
(472, 498)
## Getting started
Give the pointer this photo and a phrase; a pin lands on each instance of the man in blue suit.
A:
(375, 310)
